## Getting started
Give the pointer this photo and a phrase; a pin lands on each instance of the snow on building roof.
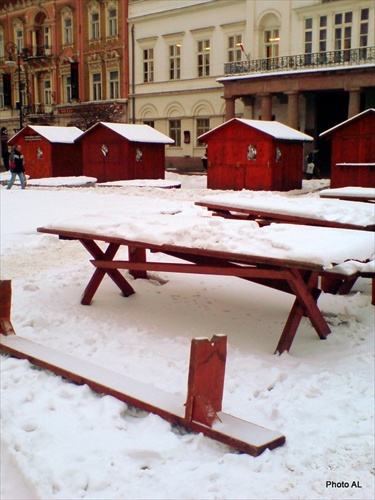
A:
(274, 129)
(65, 135)
(343, 124)
(136, 133)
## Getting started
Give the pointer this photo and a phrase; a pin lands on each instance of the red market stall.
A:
(50, 151)
(353, 151)
(254, 154)
(120, 151)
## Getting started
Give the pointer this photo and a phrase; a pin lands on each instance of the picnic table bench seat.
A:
(277, 256)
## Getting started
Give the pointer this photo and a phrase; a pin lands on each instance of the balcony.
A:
(36, 51)
(316, 60)
(37, 109)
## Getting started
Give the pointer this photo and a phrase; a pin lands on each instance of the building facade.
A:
(196, 63)
(186, 66)
(61, 60)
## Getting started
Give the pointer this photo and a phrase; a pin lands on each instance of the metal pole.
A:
(19, 89)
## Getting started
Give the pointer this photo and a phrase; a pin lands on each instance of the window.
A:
(234, 48)
(271, 42)
(323, 34)
(148, 65)
(175, 61)
(68, 88)
(150, 123)
(343, 34)
(203, 55)
(19, 39)
(95, 26)
(363, 33)
(96, 87)
(308, 35)
(113, 85)
(112, 22)
(175, 131)
(203, 126)
(46, 39)
(1, 43)
(47, 92)
(68, 32)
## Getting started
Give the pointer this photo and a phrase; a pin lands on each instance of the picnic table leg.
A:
(305, 304)
(137, 254)
(99, 274)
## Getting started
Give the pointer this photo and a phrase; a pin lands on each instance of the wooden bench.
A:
(290, 210)
(349, 193)
(297, 277)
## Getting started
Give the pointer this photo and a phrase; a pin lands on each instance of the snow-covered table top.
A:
(349, 192)
(317, 246)
(308, 207)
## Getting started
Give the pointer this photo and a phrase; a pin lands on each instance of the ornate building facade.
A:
(58, 57)
(185, 66)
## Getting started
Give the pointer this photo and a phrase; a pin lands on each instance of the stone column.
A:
(293, 109)
(354, 102)
(229, 108)
(266, 106)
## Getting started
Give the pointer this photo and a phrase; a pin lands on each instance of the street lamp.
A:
(12, 49)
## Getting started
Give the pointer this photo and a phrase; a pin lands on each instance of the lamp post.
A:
(12, 49)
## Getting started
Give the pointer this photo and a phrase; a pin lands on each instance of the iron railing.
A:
(37, 109)
(316, 60)
(30, 52)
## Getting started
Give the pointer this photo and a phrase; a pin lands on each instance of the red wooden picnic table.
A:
(296, 277)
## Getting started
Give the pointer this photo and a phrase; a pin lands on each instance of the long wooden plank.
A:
(245, 436)
(228, 211)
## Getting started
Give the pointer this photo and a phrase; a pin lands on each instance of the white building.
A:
(196, 63)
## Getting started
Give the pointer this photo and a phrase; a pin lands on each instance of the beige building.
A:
(196, 63)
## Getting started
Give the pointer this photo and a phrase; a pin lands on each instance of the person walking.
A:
(16, 165)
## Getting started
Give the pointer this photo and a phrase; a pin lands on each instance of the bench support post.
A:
(6, 327)
(206, 379)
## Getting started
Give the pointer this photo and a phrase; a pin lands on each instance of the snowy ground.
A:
(62, 441)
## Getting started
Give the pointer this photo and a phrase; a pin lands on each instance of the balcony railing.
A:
(316, 60)
(36, 51)
(37, 109)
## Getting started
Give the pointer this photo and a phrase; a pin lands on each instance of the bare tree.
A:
(86, 115)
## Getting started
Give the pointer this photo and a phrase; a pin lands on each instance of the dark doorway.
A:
(331, 109)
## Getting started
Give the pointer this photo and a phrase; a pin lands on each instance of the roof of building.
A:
(61, 135)
(275, 129)
(135, 133)
(346, 122)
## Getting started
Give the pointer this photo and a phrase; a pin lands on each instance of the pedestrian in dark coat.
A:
(17, 167)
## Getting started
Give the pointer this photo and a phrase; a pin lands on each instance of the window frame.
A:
(203, 46)
(175, 129)
(113, 84)
(112, 22)
(174, 61)
(148, 64)
(96, 86)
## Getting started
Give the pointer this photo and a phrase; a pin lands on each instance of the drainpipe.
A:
(133, 75)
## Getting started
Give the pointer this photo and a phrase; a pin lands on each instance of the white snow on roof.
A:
(138, 133)
(274, 129)
(64, 135)
(342, 124)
